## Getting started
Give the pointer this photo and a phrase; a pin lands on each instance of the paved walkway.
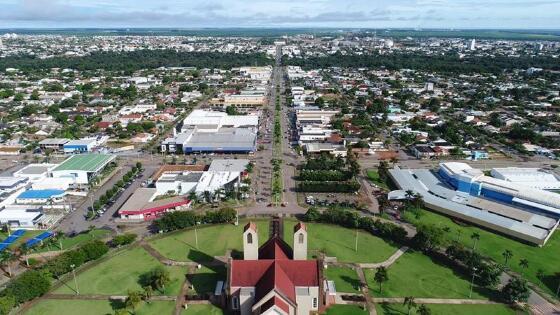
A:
(365, 292)
(391, 260)
(102, 297)
(434, 301)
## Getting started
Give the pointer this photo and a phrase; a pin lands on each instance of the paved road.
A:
(263, 169)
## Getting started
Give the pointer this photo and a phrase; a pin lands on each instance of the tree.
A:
(381, 276)
(158, 278)
(7, 303)
(424, 310)
(507, 256)
(133, 299)
(410, 303)
(475, 237)
(523, 263)
(148, 292)
(7, 257)
(516, 290)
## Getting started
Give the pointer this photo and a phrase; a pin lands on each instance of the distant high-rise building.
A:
(1, 44)
(472, 46)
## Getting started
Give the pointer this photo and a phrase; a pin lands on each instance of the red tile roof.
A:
(275, 248)
(300, 226)
(251, 225)
(275, 301)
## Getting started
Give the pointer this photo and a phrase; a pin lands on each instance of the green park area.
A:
(345, 279)
(337, 241)
(493, 245)
(446, 309)
(213, 241)
(373, 176)
(121, 273)
(71, 242)
(415, 274)
(204, 279)
(346, 310)
(97, 307)
(202, 309)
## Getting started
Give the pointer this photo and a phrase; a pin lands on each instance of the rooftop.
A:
(85, 162)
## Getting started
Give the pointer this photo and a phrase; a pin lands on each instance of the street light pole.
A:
(75, 281)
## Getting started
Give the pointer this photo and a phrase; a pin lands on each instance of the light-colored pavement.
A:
(391, 260)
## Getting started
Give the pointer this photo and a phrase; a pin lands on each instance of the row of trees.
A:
(330, 186)
(183, 219)
(35, 283)
(111, 193)
(137, 60)
(350, 219)
(449, 63)
(324, 175)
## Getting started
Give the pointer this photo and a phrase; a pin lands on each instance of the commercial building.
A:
(35, 172)
(208, 132)
(529, 177)
(23, 217)
(83, 167)
(44, 196)
(455, 190)
(274, 278)
(141, 205)
(11, 184)
(79, 146)
(54, 144)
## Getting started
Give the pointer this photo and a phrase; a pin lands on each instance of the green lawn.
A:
(373, 175)
(340, 242)
(93, 307)
(204, 279)
(121, 273)
(202, 309)
(345, 279)
(445, 309)
(415, 274)
(71, 242)
(493, 245)
(212, 241)
(346, 310)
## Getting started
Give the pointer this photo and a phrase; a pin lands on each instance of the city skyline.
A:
(468, 14)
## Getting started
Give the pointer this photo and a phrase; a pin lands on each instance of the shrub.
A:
(29, 285)
(124, 239)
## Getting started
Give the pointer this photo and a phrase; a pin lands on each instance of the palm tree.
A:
(424, 310)
(409, 303)
(409, 194)
(159, 278)
(6, 257)
(475, 237)
(523, 263)
(23, 251)
(507, 256)
(381, 276)
(132, 300)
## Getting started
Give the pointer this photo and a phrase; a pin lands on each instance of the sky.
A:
(513, 14)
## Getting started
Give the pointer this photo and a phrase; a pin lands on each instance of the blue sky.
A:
(531, 14)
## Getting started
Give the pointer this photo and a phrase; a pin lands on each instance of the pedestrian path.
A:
(391, 260)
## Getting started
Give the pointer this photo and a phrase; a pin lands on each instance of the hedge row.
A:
(324, 186)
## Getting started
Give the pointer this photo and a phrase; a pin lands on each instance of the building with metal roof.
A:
(82, 167)
(442, 196)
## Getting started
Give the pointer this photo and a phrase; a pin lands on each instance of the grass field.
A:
(493, 245)
(345, 279)
(346, 310)
(121, 273)
(204, 279)
(415, 274)
(373, 175)
(445, 309)
(212, 241)
(340, 242)
(202, 309)
(91, 307)
(71, 242)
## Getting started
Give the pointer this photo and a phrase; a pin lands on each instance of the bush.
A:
(87, 252)
(6, 304)
(124, 239)
(324, 186)
(184, 219)
(29, 285)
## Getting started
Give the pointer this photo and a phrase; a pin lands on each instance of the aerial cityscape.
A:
(350, 159)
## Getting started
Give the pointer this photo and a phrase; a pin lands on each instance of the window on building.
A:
(250, 238)
(314, 302)
(300, 238)
(235, 302)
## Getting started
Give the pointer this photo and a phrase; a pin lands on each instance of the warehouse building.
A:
(529, 177)
(79, 146)
(209, 132)
(471, 181)
(35, 172)
(450, 192)
(142, 205)
(43, 196)
(82, 168)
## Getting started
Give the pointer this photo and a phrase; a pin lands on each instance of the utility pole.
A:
(356, 249)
